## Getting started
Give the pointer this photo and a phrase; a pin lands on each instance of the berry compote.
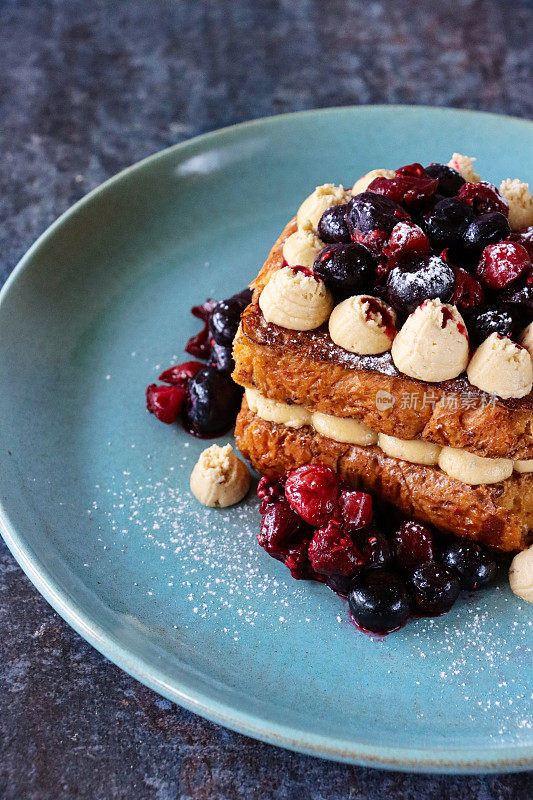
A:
(323, 530)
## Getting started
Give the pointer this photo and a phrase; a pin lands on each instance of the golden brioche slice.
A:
(499, 515)
(307, 368)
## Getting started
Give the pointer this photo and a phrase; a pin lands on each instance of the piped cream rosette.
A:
(432, 344)
(302, 247)
(362, 324)
(501, 367)
(322, 198)
(293, 298)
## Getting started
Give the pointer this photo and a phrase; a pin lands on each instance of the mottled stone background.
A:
(86, 88)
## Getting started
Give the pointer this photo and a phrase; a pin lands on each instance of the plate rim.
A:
(468, 760)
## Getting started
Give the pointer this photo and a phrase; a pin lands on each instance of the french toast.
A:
(306, 368)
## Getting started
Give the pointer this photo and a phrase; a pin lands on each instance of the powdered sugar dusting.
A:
(211, 559)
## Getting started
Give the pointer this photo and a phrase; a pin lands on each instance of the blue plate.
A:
(94, 492)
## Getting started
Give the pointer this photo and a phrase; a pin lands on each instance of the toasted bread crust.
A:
(498, 515)
(308, 369)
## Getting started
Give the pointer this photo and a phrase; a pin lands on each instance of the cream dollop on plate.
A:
(432, 345)
(501, 367)
(219, 479)
(521, 575)
(296, 300)
(363, 325)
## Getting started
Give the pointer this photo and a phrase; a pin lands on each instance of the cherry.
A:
(280, 526)
(411, 185)
(468, 293)
(332, 552)
(525, 238)
(199, 345)
(312, 491)
(355, 509)
(270, 490)
(501, 264)
(413, 543)
(165, 402)
(180, 373)
(406, 239)
(483, 197)
(298, 561)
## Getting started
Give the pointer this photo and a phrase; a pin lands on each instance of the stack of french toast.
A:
(390, 337)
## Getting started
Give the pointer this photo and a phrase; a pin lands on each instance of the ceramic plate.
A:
(94, 491)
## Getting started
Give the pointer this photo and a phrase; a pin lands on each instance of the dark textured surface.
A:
(87, 88)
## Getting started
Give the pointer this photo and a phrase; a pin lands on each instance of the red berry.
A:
(180, 373)
(165, 402)
(298, 561)
(270, 490)
(501, 264)
(525, 238)
(411, 185)
(468, 293)
(199, 345)
(413, 544)
(312, 492)
(332, 552)
(279, 528)
(483, 197)
(355, 509)
(375, 241)
(406, 239)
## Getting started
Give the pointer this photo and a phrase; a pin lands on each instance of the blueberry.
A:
(436, 588)
(450, 181)
(471, 563)
(226, 315)
(374, 547)
(221, 357)
(243, 298)
(373, 212)
(408, 285)
(345, 268)
(447, 222)
(212, 402)
(341, 584)
(379, 600)
(484, 230)
(519, 299)
(489, 319)
(332, 226)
